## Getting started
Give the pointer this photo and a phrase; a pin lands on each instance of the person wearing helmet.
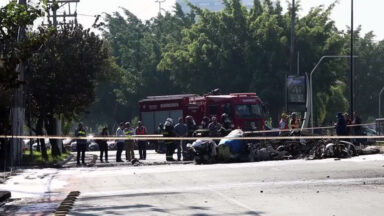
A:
(226, 121)
(168, 132)
(214, 127)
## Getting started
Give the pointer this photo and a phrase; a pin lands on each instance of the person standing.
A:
(103, 145)
(140, 130)
(341, 125)
(191, 125)
(119, 143)
(357, 124)
(295, 124)
(214, 127)
(348, 121)
(357, 129)
(168, 132)
(204, 123)
(129, 144)
(81, 144)
(180, 130)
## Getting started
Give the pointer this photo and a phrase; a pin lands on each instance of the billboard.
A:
(296, 90)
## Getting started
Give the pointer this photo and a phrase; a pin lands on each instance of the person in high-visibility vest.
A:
(142, 144)
(168, 132)
(129, 144)
(81, 144)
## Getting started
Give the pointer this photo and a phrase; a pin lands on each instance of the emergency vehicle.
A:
(245, 110)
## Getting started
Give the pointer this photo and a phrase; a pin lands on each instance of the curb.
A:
(4, 196)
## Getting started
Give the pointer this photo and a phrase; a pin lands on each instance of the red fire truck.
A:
(244, 109)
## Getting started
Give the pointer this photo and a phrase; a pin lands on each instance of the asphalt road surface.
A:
(323, 187)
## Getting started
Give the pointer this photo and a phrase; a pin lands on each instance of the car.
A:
(367, 131)
(93, 146)
(111, 145)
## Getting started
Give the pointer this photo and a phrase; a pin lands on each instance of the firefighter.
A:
(226, 122)
(129, 132)
(168, 132)
(81, 144)
(191, 125)
(141, 130)
(214, 127)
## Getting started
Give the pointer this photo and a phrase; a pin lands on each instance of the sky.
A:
(368, 13)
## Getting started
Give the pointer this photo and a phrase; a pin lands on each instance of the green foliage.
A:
(36, 159)
(369, 75)
(14, 49)
(65, 71)
(236, 50)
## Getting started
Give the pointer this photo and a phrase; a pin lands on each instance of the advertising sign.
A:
(296, 91)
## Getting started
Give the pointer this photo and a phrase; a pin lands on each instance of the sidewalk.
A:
(92, 160)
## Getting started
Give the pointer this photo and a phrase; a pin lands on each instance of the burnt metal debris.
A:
(232, 150)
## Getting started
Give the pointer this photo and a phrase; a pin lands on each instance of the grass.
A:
(37, 158)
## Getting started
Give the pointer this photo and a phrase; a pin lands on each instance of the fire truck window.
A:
(212, 110)
(248, 111)
(227, 108)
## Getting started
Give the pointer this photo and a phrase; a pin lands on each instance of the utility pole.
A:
(160, 2)
(292, 53)
(292, 50)
(69, 12)
(18, 104)
(352, 64)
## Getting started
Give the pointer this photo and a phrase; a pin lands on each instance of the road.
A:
(323, 187)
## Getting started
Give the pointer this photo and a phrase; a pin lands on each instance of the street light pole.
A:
(381, 92)
(352, 64)
(311, 75)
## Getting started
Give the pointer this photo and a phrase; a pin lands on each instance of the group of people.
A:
(124, 130)
(186, 128)
(289, 122)
(181, 129)
(344, 120)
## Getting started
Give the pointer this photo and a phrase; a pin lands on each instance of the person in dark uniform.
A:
(103, 145)
(168, 132)
(191, 125)
(81, 144)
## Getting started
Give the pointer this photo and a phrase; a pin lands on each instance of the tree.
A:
(137, 47)
(64, 76)
(12, 52)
